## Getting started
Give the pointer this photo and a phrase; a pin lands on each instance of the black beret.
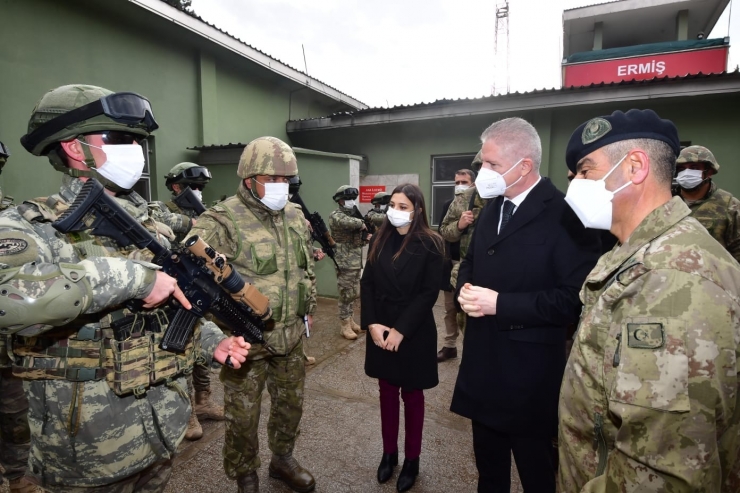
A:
(605, 130)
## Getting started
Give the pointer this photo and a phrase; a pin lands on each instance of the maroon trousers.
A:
(413, 407)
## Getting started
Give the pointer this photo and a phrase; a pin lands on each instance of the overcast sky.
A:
(392, 52)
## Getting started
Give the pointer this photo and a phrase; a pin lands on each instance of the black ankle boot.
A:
(387, 464)
(409, 471)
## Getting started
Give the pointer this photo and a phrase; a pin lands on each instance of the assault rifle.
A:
(208, 282)
(319, 231)
(187, 200)
(368, 224)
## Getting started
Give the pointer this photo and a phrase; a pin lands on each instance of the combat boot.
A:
(346, 330)
(194, 431)
(356, 328)
(289, 471)
(23, 485)
(249, 483)
(205, 408)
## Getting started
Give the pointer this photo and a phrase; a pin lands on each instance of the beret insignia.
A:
(594, 130)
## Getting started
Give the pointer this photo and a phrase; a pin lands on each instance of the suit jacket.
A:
(513, 361)
(401, 295)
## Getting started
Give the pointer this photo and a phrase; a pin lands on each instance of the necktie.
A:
(506, 214)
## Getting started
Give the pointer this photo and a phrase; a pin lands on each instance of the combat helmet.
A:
(294, 184)
(698, 154)
(67, 112)
(477, 161)
(345, 192)
(267, 156)
(381, 198)
(188, 174)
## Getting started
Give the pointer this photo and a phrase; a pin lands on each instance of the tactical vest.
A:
(122, 346)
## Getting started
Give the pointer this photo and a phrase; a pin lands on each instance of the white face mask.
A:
(491, 183)
(198, 194)
(276, 195)
(592, 202)
(689, 178)
(349, 204)
(124, 163)
(460, 189)
(397, 218)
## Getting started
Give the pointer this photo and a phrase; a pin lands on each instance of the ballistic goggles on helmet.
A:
(4, 151)
(347, 193)
(197, 176)
(127, 108)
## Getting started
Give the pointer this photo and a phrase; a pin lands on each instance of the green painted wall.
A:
(320, 177)
(123, 47)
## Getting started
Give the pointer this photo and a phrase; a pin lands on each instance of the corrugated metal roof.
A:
(199, 18)
(442, 102)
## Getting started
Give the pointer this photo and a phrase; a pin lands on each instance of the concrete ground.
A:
(340, 440)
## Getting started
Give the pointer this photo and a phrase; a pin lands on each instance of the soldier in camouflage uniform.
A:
(102, 418)
(265, 240)
(716, 209)
(180, 176)
(350, 234)
(459, 224)
(376, 215)
(15, 438)
(649, 400)
(199, 383)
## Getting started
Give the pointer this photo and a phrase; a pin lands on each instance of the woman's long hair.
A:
(419, 227)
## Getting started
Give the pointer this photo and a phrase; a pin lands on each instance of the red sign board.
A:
(676, 64)
(368, 192)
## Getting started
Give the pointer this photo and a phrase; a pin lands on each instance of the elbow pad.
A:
(43, 296)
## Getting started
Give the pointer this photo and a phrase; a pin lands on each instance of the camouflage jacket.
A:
(178, 219)
(448, 228)
(269, 249)
(649, 400)
(376, 217)
(719, 212)
(347, 232)
(83, 433)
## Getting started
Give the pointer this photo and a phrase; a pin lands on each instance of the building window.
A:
(443, 180)
(144, 186)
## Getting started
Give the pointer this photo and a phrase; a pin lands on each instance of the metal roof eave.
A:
(222, 39)
(513, 103)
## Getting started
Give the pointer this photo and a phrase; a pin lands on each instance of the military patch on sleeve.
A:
(646, 336)
(17, 248)
(594, 130)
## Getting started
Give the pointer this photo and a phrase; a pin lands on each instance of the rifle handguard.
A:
(225, 275)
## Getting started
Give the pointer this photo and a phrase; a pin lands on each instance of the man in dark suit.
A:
(519, 285)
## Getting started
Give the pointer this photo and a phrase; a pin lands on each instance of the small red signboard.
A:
(368, 192)
(679, 64)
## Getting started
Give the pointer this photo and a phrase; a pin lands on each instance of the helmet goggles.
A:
(347, 194)
(122, 107)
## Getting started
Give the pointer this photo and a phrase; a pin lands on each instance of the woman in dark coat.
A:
(399, 287)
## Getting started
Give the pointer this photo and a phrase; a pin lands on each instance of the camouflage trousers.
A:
(348, 284)
(200, 379)
(15, 437)
(153, 479)
(284, 376)
(451, 328)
